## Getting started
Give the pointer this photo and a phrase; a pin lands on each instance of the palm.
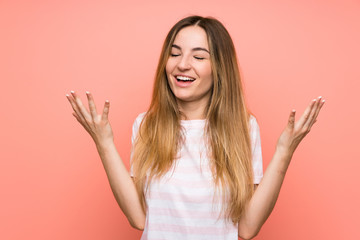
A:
(98, 126)
(294, 132)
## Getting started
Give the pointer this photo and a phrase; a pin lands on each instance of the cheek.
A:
(207, 73)
(167, 70)
(169, 67)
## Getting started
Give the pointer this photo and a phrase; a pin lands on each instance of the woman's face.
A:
(188, 68)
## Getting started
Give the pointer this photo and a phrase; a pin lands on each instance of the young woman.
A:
(196, 156)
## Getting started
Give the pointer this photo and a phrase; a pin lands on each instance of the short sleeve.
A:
(135, 129)
(257, 162)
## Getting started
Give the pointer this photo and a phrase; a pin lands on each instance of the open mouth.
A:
(184, 79)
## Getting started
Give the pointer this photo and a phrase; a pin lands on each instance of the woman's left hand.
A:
(294, 132)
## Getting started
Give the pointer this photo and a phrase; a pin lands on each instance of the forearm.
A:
(122, 185)
(263, 201)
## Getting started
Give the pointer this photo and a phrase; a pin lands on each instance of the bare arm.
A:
(263, 201)
(264, 198)
(122, 186)
(119, 178)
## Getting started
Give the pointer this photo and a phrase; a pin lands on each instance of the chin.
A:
(183, 98)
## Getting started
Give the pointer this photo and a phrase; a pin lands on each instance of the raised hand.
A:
(294, 132)
(97, 126)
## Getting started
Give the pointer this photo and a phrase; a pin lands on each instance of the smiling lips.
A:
(183, 81)
(184, 78)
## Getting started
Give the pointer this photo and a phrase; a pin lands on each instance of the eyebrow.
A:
(194, 49)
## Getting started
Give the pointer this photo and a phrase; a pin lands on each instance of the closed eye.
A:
(199, 58)
(174, 55)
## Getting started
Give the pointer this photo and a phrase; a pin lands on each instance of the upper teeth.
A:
(184, 78)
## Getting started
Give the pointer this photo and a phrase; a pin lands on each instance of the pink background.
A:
(52, 182)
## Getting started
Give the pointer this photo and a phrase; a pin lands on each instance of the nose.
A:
(184, 63)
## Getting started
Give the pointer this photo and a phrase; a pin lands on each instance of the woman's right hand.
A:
(97, 126)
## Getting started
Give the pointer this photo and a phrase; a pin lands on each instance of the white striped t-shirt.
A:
(181, 204)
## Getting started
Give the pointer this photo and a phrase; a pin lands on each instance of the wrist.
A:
(104, 144)
(282, 158)
(284, 152)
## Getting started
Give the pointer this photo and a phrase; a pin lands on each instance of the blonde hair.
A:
(227, 129)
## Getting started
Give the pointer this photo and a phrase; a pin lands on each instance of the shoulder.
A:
(140, 117)
(252, 118)
(254, 128)
(253, 122)
(136, 124)
(138, 121)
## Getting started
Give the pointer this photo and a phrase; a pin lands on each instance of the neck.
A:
(192, 110)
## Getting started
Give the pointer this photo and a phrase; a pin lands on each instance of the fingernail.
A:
(320, 97)
(67, 95)
(72, 92)
(87, 92)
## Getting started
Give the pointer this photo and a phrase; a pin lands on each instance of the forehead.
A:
(191, 37)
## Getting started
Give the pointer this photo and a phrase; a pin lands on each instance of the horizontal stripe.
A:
(156, 235)
(189, 183)
(181, 190)
(214, 221)
(193, 215)
(181, 204)
(191, 230)
(196, 178)
(181, 197)
(160, 203)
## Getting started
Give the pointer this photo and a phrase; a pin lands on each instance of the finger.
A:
(76, 116)
(291, 121)
(303, 119)
(74, 106)
(312, 115)
(83, 111)
(105, 114)
(92, 105)
(321, 103)
(80, 121)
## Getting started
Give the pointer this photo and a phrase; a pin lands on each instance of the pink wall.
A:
(52, 182)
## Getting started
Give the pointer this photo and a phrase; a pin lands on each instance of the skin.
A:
(263, 201)
(122, 185)
(190, 56)
(192, 102)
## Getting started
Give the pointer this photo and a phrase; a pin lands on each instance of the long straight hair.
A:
(227, 129)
